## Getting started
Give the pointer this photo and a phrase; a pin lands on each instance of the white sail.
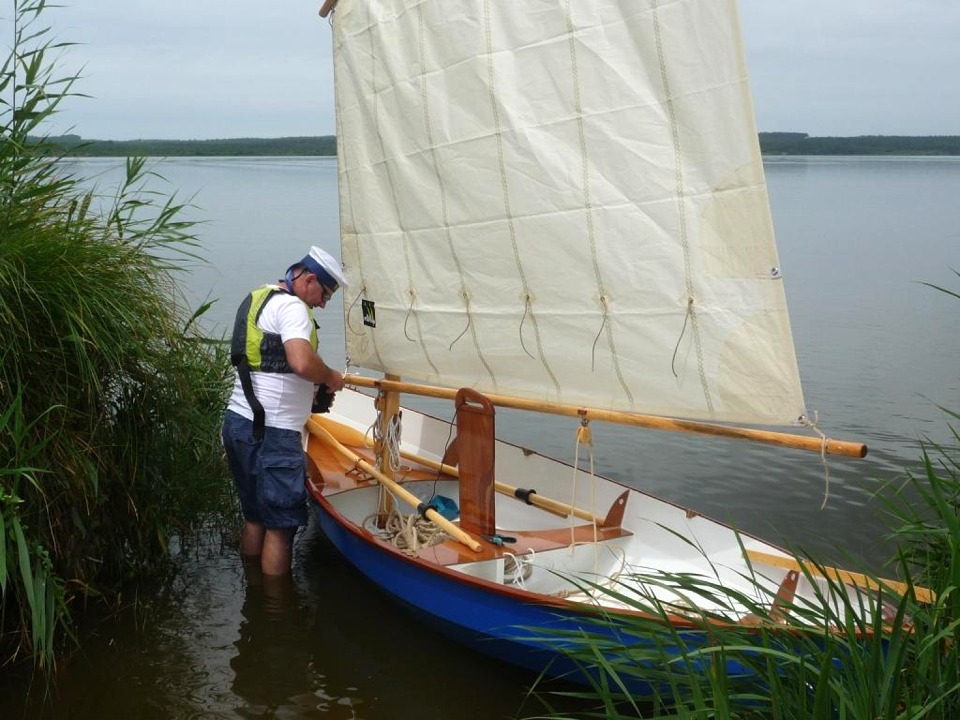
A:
(561, 201)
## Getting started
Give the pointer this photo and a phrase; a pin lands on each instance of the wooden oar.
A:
(799, 442)
(922, 594)
(459, 535)
(349, 435)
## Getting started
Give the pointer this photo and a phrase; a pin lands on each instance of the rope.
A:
(390, 442)
(584, 437)
(812, 424)
(520, 567)
(393, 442)
(407, 533)
(349, 313)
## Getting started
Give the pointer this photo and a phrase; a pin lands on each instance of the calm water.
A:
(877, 350)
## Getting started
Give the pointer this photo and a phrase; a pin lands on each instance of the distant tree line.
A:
(76, 146)
(771, 143)
(784, 143)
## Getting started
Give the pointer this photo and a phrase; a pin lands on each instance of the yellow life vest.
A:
(254, 350)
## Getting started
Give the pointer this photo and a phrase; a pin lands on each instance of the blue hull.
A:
(503, 624)
(463, 609)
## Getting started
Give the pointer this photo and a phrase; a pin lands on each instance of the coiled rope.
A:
(390, 442)
(407, 533)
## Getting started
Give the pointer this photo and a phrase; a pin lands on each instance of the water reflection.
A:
(272, 668)
(373, 660)
(219, 640)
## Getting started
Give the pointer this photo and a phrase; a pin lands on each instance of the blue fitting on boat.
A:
(447, 507)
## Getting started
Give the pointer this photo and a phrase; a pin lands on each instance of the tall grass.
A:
(892, 658)
(109, 396)
(893, 664)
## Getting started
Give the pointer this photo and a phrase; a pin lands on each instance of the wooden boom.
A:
(799, 442)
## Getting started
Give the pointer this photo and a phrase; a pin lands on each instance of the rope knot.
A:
(584, 433)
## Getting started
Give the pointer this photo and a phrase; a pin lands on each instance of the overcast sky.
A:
(255, 68)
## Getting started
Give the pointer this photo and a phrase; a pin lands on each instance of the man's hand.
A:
(335, 381)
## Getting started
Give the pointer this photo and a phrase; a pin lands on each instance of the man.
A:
(274, 350)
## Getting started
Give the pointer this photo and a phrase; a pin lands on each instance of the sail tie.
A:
(465, 296)
(412, 313)
(593, 351)
(683, 331)
(349, 313)
(523, 319)
(413, 299)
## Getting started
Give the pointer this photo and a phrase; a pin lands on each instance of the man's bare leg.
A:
(251, 538)
(275, 559)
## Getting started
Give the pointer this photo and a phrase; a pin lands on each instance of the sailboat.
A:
(557, 207)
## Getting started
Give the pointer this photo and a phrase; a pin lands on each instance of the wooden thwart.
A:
(757, 557)
(799, 442)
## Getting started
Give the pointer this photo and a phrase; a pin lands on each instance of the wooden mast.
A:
(388, 404)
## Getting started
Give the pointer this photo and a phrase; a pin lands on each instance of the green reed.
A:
(110, 398)
(889, 657)
(892, 659)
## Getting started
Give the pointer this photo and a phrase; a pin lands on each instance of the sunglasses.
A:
(328, 291)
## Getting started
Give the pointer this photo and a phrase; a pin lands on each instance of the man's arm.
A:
(310, 366)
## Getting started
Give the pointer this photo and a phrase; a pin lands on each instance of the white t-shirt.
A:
(286, 397)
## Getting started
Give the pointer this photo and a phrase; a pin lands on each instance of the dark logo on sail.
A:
(369, 313)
